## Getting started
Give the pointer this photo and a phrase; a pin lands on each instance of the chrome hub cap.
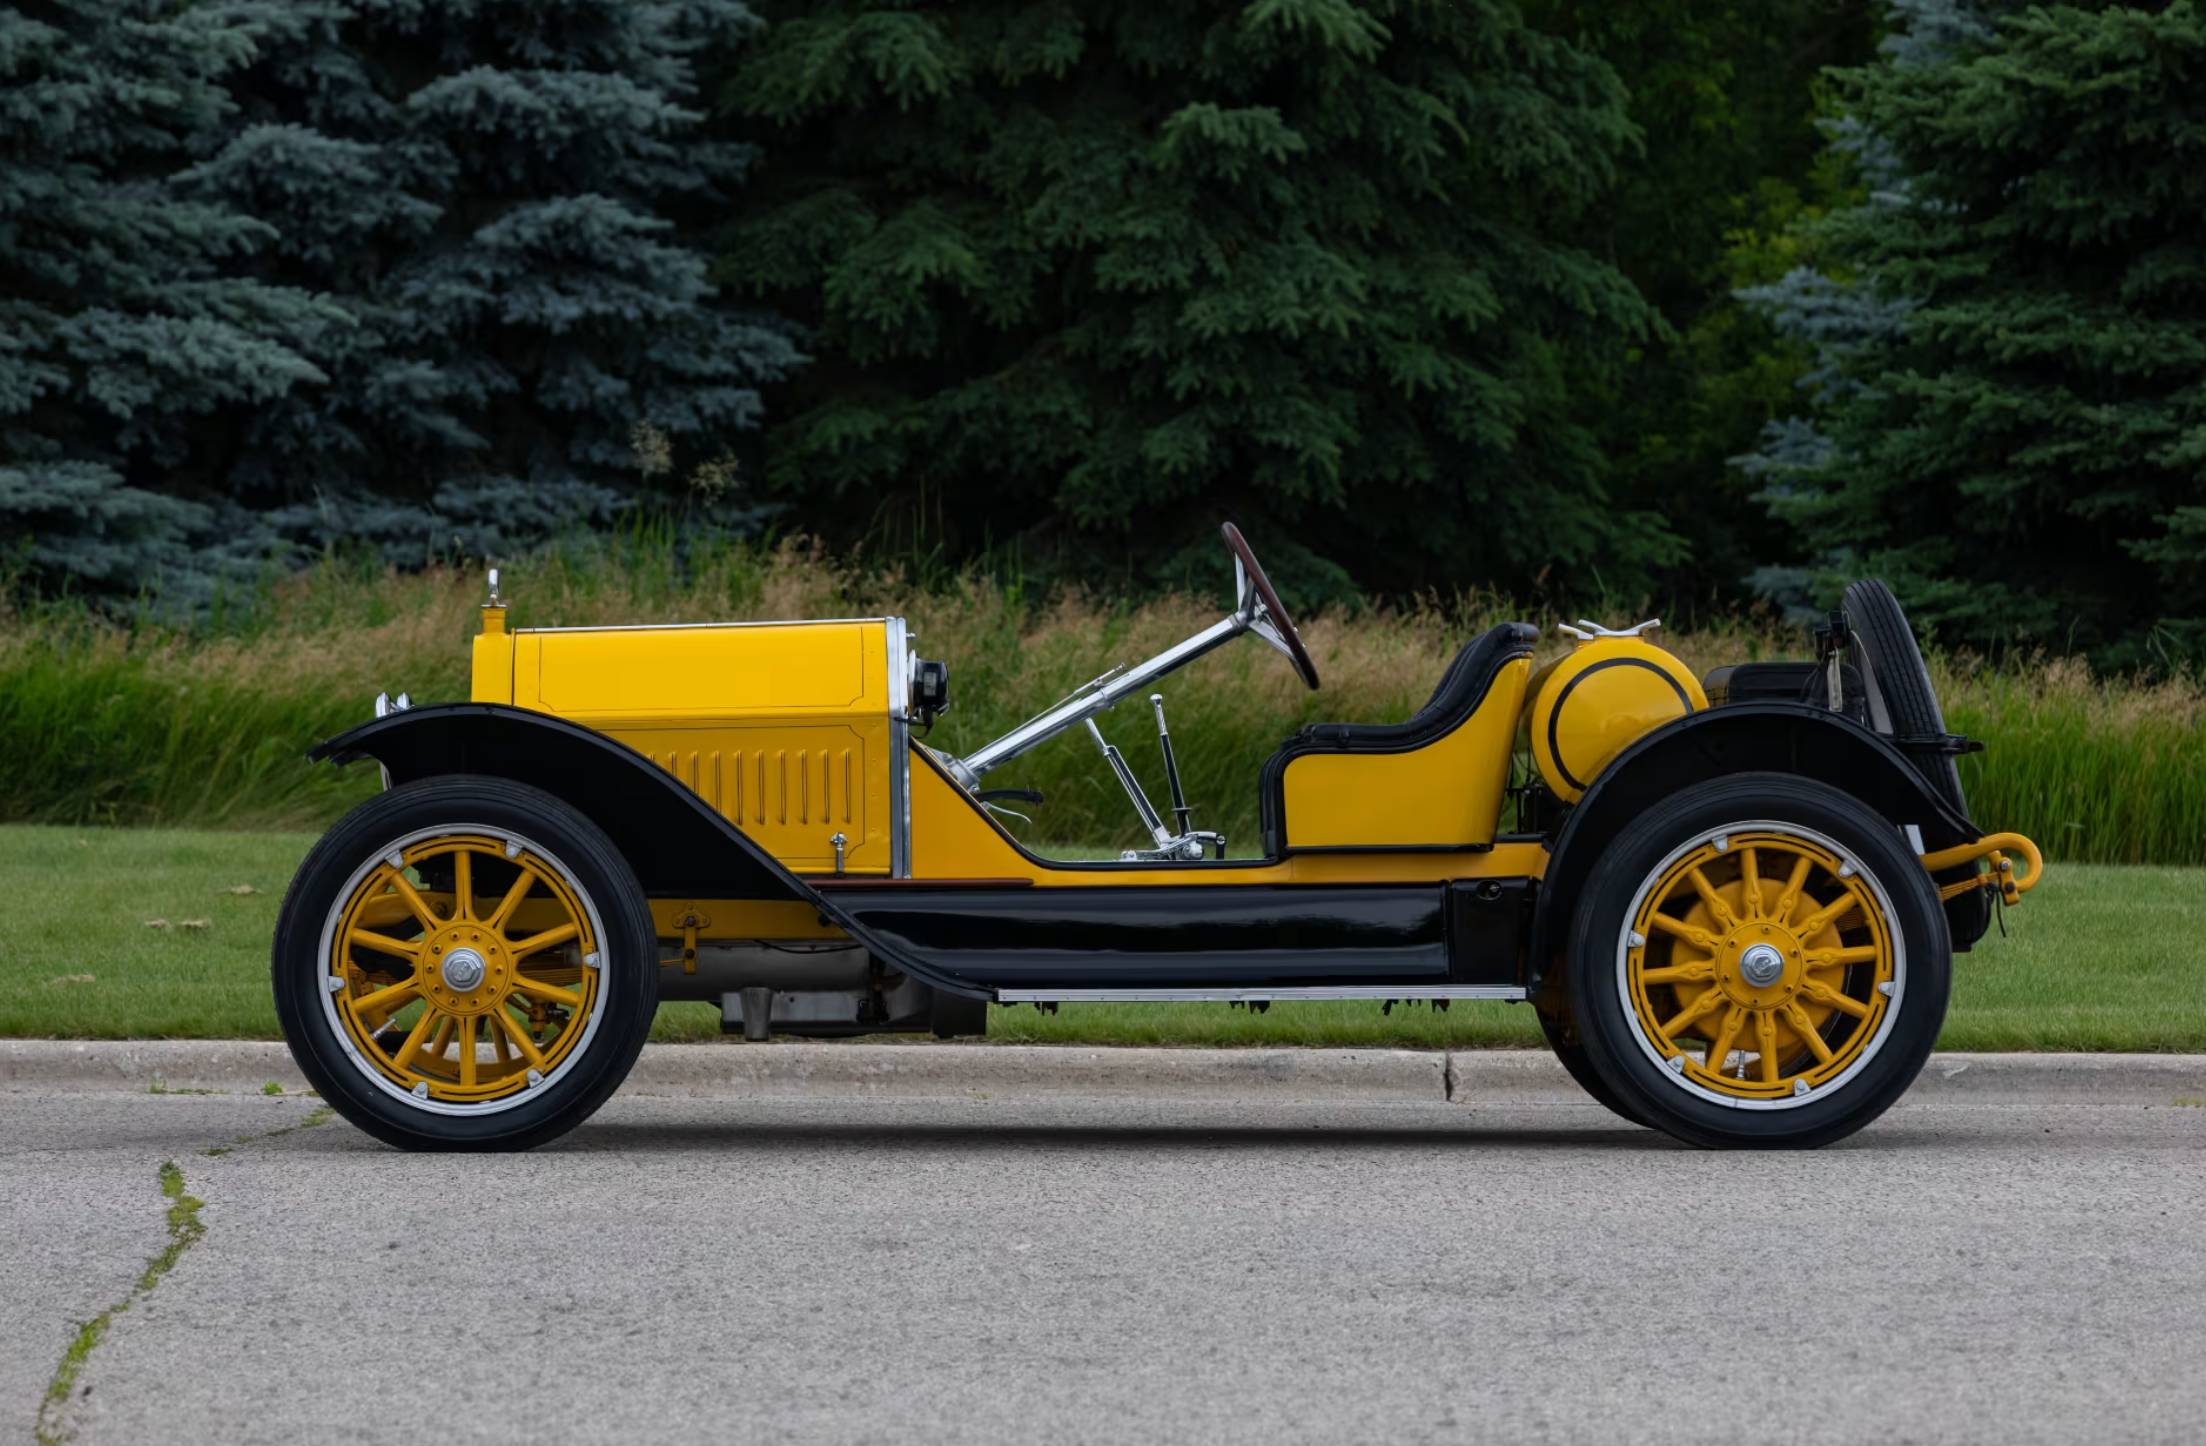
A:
(463, 969)
(1762, 965)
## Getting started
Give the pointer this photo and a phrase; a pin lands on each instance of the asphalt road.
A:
(1110, 1270)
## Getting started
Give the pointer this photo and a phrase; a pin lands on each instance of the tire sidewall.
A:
(1612, 1045)
(628, 981)
(1560, 1027)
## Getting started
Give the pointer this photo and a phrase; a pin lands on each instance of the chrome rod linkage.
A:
(1099, 697)
(1132, 785)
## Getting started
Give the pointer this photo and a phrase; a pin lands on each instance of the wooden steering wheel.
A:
(1255, 600)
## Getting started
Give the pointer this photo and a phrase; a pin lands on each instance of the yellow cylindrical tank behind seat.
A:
(1596, 700)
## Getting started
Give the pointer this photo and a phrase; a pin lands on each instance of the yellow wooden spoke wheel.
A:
(463, 969)
(1760, 965)
(465, 963)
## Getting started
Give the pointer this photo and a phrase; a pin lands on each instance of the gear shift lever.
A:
(1180, 811)
(1184, 845)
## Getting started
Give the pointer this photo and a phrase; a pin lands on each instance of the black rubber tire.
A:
(1919, 924)
(1892, 655)
(629, 972)
(1561, 1029)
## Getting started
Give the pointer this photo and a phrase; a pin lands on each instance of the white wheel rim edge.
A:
(344, 1036)
(1787, 1102)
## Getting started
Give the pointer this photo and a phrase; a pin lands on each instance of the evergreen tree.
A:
(1091, 276)
(492, 189)
(122, 327)
(2012, 424)
(1726, 97)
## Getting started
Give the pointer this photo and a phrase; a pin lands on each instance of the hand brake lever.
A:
(1127, 781)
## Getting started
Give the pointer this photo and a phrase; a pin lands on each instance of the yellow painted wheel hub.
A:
(462, 968)
(1759, 966)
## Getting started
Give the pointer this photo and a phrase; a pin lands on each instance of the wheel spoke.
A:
(513, 898)
(440, 1041)
(383, 944)
(1689, 972)
(1679, 929)
(1706, 1004)
(404, 888)
(1750, 882)
(404, 1059)
(463, 883)
(375, 1007)
(1717, 908)
(520, 1037)
(549, 993)
(1790, 898)
(467, 1052)
(1719, 1049)
(536, 943)
(1765, 1034)
(1805, 1028)
(1826, 958)
(1823, 993)
(1828, 915)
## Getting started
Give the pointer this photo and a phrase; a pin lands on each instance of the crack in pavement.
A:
(185, 1229)
(320, 1115)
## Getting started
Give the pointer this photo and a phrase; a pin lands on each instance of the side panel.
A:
(772, 670)
(953, 838)
(1444, 795)
(1164, 937)
(791, 787)
(1487, 921)
(785, 730)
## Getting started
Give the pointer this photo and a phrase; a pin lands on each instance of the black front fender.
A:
(1794, 738)
(679, 846)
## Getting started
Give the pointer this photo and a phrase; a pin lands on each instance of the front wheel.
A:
(465, 963)
(1760, 961)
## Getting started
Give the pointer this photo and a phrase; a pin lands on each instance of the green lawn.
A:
(2100, 957)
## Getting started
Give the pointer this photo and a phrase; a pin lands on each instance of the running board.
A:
(1259, 996)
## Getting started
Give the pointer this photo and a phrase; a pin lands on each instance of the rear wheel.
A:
(1561, 1029)
(465, 963)
(1761, 961)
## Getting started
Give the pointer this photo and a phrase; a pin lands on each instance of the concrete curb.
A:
(811, 1069)
(851, 1071)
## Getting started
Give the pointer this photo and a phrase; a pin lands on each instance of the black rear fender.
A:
(1793, 738)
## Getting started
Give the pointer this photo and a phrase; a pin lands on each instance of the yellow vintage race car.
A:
(1733, 901)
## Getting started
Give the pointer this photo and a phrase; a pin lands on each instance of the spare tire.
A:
(1893, 666)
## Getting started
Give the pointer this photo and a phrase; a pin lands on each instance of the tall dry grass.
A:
(209, 726)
